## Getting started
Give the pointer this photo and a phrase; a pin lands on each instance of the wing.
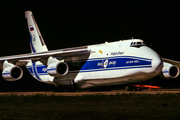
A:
(173, 62)
(43, 56)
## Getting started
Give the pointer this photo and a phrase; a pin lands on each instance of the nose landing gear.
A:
(132, 88)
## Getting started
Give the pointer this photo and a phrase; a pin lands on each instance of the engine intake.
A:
(169, 71)
(58, 69)
(12, 73)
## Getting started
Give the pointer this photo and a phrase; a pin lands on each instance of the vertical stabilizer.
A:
(36, 40)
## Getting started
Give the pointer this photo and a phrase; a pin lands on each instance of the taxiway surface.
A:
(113, 92)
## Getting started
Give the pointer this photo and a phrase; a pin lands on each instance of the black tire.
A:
(126, 88)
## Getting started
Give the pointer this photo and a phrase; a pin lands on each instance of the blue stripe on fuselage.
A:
(35, 70)
(117, 68)
(114, 63)
(101, 64)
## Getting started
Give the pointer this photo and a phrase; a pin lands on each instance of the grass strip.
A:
(88, 107)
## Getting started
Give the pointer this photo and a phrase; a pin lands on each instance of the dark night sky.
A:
(72, 23)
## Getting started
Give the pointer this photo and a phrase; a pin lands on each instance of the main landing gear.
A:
(66, 88)
(102, 88)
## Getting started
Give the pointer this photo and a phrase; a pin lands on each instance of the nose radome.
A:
(156, 62)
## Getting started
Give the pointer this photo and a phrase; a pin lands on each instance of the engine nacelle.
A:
(12, 73)
(169, 71)
(57, 69)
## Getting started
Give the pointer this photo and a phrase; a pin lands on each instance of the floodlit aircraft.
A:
(114, 63)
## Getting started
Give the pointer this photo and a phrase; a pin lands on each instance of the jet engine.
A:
(57, 69)
(169, 71)
(12, 73)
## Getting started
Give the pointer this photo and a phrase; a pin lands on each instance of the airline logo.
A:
(44, 69)
(117, 53)
(105, 63)
(33, 39)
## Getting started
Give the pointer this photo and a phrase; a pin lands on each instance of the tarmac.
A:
(81, 93)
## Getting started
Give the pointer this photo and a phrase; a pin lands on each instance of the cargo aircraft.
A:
(110, 63)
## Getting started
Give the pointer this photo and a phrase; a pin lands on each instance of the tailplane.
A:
(36, 40)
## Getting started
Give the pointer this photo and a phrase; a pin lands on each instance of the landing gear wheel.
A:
(138, 89)
(129, 88)
(97, 89)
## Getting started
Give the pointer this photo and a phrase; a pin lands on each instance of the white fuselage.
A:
(113, 63)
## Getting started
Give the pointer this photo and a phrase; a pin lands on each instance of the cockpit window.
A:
(137, 44)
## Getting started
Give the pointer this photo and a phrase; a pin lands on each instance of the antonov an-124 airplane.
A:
(114, 63)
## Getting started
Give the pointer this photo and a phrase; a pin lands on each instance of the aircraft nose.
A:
(156, 63)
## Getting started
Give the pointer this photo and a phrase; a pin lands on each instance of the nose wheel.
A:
(127, 88)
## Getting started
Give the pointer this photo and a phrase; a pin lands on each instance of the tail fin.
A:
(36, 40)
